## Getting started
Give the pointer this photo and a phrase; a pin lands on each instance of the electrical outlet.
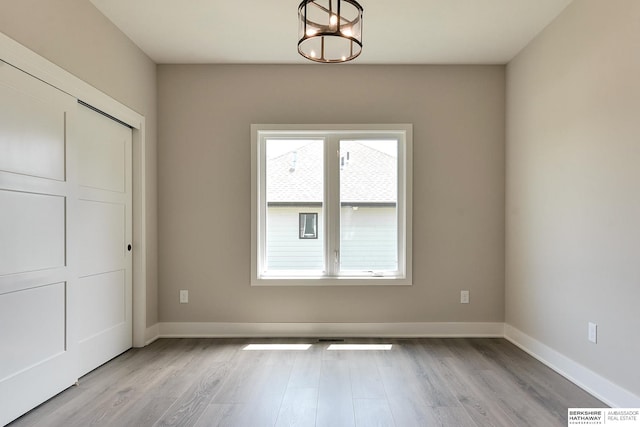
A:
(184, 296)
(593, 332)
(464, 297)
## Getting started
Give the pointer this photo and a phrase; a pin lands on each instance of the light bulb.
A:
(312, 54)
(347, 31)
(311, 31)
(333, 20)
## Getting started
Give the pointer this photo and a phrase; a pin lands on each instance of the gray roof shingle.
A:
(367, 176)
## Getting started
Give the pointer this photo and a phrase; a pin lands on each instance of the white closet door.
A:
(37, 356)
(102, 295)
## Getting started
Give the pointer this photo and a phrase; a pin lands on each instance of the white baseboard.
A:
(600, 387)
(405, 330)
(151, 334)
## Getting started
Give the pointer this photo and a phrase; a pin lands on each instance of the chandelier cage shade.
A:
(330, 31)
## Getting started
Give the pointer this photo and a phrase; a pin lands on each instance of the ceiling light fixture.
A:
(330, 30)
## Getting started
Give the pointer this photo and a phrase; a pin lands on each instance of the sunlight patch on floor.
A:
(298, 347)
(360, 347)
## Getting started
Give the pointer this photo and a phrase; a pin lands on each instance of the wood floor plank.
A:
(188, 408)
(436, 347)
(366, 382)
(246, 382)
(174, 377)
(152, 402)
(551, 391)
(411, 411)
(373, 413)
(431, 384)
(254, 414)
(457, 417)
(408, 404)
(257, 383)
(515, 402)
(299, 407)
(221, 414)
(489, 377)
(481, 409)
(462, 349)
(214, 382)
(335, 401)
(305, 372)
(109, 394)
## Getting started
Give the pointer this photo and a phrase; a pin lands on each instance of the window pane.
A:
(308, 225)
(368, 205)
(294, 184)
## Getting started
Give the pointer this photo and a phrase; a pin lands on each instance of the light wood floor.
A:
(419, 382)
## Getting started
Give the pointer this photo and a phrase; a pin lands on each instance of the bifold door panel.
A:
(104, 286)
(65, 224)
(37, 358)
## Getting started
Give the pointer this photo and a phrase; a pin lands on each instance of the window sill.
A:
(331, 281)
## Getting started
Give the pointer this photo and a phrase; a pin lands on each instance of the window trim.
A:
(259, 132)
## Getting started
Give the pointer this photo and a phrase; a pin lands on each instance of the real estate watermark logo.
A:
(627, 417)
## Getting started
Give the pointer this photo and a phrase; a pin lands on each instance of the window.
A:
(331, 204)
(308, 223)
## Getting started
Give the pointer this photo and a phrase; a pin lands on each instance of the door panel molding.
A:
(35, 271)
(12, 52)
(61, 370)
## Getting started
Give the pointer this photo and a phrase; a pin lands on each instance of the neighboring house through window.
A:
(331, 204)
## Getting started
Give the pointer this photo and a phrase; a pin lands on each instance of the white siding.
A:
(369, 238)
(285, 251)
(369, 242)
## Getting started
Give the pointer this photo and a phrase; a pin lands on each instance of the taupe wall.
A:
(573, 187)
(75, 36)
(205, 113)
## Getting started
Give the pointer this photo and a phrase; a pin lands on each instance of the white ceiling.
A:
(395, 32)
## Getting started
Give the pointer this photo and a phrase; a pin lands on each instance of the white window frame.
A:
(330, 277)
